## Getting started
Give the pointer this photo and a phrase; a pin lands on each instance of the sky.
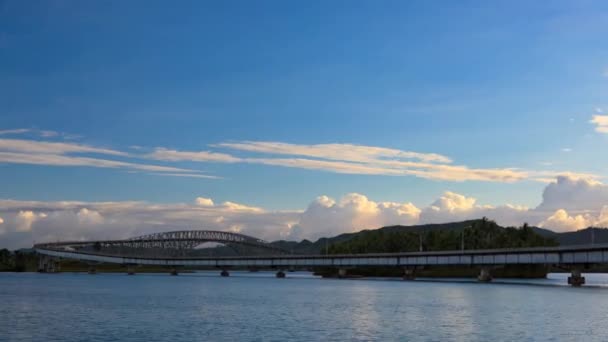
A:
(292, 120)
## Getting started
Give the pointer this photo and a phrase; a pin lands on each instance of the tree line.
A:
(17, 261)
(480, 234)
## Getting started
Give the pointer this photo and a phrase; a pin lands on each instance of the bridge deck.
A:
(586, 254)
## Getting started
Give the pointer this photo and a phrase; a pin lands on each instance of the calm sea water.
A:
(259, 307)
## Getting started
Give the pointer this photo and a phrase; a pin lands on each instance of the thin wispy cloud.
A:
(349, 152)
(41, 133)
(335, 158)
(48, 134)
(358, 159)
(549, 176)
(34, 152)
(345, 159)
(14, 131)
(187, 175)
(46, 147)
(65, 160)
(199, 156)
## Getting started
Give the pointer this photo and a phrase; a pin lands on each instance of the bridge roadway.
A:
(572, 257)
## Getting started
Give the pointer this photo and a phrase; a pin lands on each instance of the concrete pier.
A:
(48, 265)
(485, 274)
(575, 278)
(280, 274)
(409, 274)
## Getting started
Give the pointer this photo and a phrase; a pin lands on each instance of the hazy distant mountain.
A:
(579, 237)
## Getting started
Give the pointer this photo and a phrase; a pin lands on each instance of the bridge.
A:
(170, 250)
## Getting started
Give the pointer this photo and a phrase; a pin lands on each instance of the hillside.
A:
(323, 245)
(579, 237)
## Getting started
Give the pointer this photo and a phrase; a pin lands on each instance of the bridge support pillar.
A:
(342, 273)
(409, 274)
(48, 265)
(485, 275)
(280, 274)
(225, 273)
(42, 263)
(575, 278)
(174, 271)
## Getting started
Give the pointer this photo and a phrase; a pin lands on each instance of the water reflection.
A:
(259, 307)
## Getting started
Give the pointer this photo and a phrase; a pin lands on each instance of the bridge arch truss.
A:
(174, 241)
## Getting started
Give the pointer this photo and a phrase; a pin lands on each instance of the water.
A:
(259, 307)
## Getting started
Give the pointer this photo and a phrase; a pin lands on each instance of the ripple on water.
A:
(259, 307)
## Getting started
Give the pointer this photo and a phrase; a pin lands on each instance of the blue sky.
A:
(488, 84)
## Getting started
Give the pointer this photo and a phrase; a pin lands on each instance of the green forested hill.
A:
(482, 233)
(478, 234)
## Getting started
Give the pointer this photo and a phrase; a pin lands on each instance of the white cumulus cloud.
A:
(87, 216)
(353, 212)
(561, 221)
(574, 194)
(25, 219)
(569, 203)
(205, 202)
(601, 123)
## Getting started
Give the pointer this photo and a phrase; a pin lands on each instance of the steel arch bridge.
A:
(171, 242)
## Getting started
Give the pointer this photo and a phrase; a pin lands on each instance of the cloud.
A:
(560, 221)
(569, 203)
(566, 149)
(453, 202)
(28, 221)
(602, 219)
(336, 158)
(21, 151)
(87, 216)
(347, 159)
(352, 213)
(14, 131)
(186, 175)
(601, 123)
(574, 194)
(349, 152)
(45, 147)
(25, 219)
(551, 176)
(205, 202)
(41, 133)
(48, 134)
(452, 207)
(63, 160)
(236, 207)
(201, 156)
(325, 165)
